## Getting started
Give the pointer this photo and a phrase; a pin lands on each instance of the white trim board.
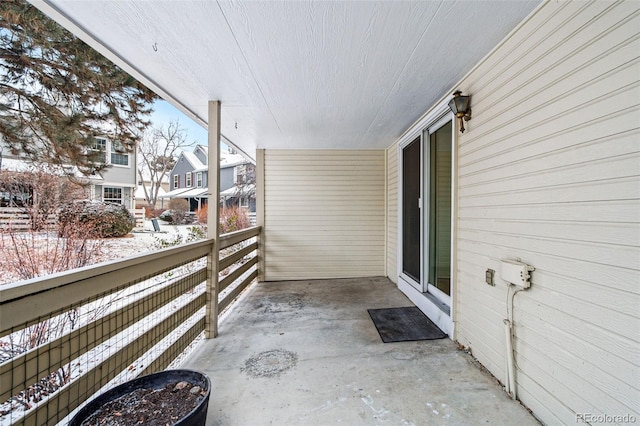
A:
(435, 314)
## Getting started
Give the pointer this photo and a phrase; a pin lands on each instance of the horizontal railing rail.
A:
(242, 244)
(24, 302)
(66, 336)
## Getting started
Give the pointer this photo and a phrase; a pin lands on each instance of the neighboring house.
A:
(237, 176)
(116, 184)
(189, 179)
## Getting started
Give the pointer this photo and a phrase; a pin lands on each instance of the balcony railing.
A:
(65, 337)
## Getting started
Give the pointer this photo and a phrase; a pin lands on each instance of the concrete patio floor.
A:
(307, 353)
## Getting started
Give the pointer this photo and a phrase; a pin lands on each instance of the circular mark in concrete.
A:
(270, 363)
(282, 303)
(402, 355)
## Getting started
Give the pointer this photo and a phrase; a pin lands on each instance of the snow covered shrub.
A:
(106, 220)
(178, 208)
(233, 219)
(194, 233)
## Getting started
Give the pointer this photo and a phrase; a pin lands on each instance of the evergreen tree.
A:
(57, 93)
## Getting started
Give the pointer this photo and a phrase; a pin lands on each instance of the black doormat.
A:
(404, 325)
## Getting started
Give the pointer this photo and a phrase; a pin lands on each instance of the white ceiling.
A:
(297, 74)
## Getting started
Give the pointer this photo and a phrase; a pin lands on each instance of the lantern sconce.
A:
(459, 105)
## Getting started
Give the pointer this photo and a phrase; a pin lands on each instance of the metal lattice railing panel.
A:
(52, 363)
(66, 337)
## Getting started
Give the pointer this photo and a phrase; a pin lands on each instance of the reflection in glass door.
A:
(439, 213)
(411, 218)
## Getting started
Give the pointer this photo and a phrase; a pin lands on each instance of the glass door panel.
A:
(439, 215)
(411, 193)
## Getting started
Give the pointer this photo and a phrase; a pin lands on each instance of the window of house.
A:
(199, 179)
(15, 194)
(100, 145)
(112, 195)
(176, 181)
(187, 179)
(119, 156)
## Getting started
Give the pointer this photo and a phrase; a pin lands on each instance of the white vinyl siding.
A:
(325, 214)
(392, 213)
(548, 172)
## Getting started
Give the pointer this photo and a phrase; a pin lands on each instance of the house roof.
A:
(139, 193)
(20, 165)
(232, 160)
(15, 165)
(204, 148)
(174, 193)
(194, 193)
(186, 193)
(146, 177)
(226, 160)
(305, 74)
(194, 160)
(234, 190)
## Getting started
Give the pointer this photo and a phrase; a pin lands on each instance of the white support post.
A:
(213, 218)
(260, 212)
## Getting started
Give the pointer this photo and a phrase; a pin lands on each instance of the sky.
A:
(164, 112)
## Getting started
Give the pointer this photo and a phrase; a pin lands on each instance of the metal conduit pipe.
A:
(510, 385)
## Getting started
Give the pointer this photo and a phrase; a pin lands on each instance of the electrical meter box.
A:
(516, 272)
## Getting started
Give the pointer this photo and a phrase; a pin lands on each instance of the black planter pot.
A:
(197, 416)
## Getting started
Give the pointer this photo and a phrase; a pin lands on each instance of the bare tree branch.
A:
(157, 154)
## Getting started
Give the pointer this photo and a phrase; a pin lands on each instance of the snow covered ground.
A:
(141, 242)
(132, 244)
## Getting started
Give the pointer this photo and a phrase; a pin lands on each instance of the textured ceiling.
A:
(299, 74)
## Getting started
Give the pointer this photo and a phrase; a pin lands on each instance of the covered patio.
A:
(307, 353)
(517, 234)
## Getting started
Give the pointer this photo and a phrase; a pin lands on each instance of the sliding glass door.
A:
(426, 209)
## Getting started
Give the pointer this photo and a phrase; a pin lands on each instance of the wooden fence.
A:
(17, 219)
(139, 216)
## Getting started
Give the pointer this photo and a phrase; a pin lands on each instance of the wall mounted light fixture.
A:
(460, 105)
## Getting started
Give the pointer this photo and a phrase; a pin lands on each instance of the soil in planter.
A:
(153, 407)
